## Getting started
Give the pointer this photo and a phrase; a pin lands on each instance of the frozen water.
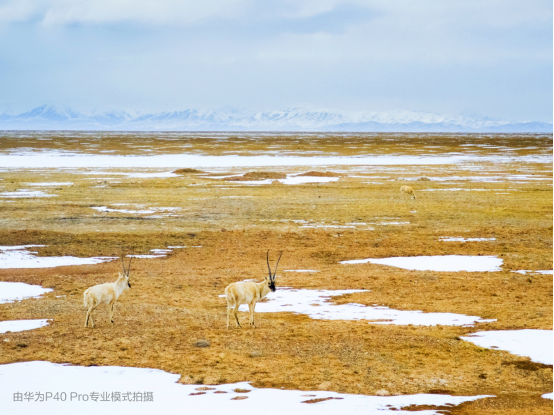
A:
(447, 263)
(21, 325)
(536, 344)
(315, 304)
(40, 376)
(16, 291)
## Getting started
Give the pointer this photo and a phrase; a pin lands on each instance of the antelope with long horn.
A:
(250, 293)
(107, 293)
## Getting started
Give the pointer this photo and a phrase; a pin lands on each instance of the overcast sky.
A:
(486, 57)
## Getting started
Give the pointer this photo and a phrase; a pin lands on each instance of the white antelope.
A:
(408, 190)
(106, 293)
(250, 293)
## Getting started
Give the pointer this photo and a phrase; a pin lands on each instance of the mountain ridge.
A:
(46, 117)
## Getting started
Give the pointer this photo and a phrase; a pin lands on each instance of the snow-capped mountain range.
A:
(295, 119)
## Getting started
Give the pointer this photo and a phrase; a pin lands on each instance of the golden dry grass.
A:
(174, 301)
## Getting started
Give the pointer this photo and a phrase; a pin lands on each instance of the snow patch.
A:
(446, 263)
(53, 159)
(315, 304)
(168, 394)
(535, 344)
(17, 291)
(24, 193)
(21, 325)
(18, 257)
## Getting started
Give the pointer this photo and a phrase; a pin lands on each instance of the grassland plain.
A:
(174, 300)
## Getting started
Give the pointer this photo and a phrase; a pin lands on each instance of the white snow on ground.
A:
(459, 239)
(51, 184)
(177, 247)
(147, 211)
(447, 263)
(527, 271)
(136, 212)
(18, 257)
(291, 179)
(315, 304)
(21, 325)
(329, 226)
(160, 253)
(153, 175)
(485, 179)
(307, 179)
(79, 160)
(24, 193)
(536, 344)
(168, 395)
(16, 291)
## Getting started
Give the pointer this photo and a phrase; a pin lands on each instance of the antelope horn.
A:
(277, 265)
(123, 263)
(268, 267)
(129, 266)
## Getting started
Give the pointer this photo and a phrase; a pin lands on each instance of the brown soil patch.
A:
(257, 175)
(320, 174)
(319, 400)
(187, 171)
(506, 404)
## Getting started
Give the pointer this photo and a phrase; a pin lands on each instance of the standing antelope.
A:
(107, 293)
(250, 293)
(408, 190)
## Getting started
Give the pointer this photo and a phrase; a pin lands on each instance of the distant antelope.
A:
(107, 293)
(250, 293)
(408, 190)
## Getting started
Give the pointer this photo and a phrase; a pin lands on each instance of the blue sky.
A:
(470, 57)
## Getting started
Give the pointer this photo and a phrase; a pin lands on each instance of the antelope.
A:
(107, 293)
(250, 293)
(408, 190)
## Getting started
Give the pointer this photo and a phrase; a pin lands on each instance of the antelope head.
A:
(271, 279)
(126, 271)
